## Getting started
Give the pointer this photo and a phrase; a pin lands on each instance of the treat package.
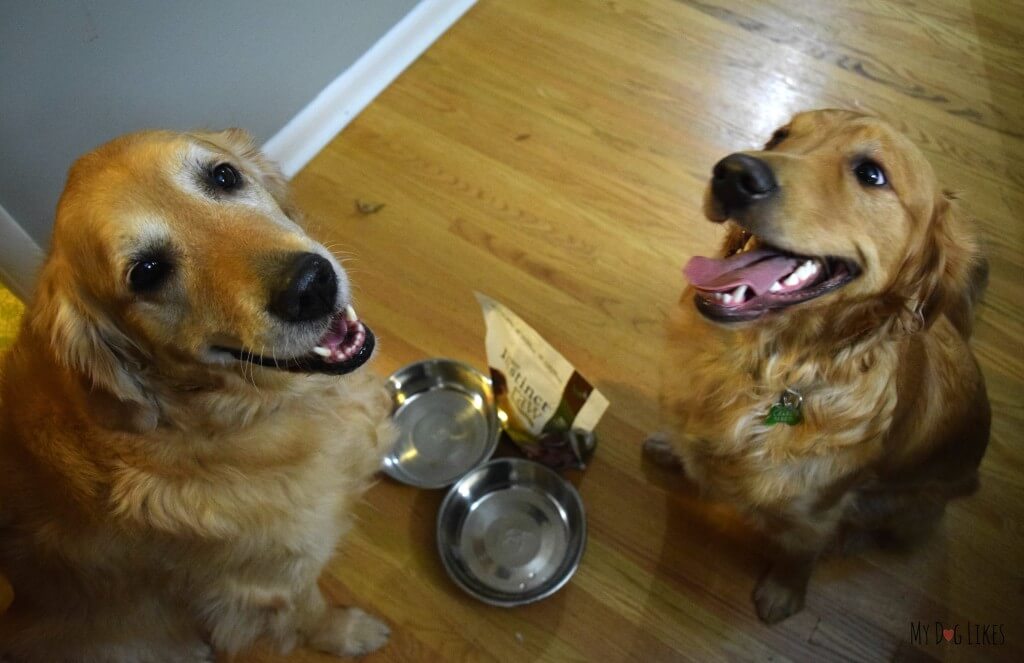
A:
(545, 406)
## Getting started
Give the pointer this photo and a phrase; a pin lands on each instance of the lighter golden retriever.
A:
(835, 400)
(183, 429)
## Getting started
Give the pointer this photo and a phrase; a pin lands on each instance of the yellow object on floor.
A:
(11, 309)
(10, 315)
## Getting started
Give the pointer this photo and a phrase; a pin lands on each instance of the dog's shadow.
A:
(705, 571)
(712, 557)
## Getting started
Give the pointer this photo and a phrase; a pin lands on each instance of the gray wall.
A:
(74, 74)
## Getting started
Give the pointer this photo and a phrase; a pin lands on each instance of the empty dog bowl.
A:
(446, 419)
(511, 532)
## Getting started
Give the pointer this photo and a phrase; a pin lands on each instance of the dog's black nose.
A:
(740, 180)
(311, 290)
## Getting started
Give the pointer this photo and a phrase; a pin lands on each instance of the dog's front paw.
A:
(776, 598)
(350, 632)
(363, 633)
(659, 450)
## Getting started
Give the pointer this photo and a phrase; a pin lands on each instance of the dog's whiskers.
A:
(252, 369)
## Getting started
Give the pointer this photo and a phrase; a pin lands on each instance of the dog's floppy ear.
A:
(950, 273)
(777, 137)
(88, 343)
(241, 143)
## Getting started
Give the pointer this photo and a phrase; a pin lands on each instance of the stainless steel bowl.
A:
(446, 419)
(511, 532)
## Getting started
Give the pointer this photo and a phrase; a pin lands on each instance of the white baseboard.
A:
(20, 257)
(320, 121)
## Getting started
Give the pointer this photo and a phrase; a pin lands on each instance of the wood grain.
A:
(553, 154)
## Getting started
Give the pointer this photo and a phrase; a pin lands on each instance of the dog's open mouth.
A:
(347, 345)
(760, 278)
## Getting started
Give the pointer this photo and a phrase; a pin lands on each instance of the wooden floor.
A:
(552, 154)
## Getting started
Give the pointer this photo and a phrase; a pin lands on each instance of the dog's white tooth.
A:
(350, 313)
(322, 351)
(727, 298)
(813, 268)
(775, 287)
(792, 279)
(739, 293)
(717, 295)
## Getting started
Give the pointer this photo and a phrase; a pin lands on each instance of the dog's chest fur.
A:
(281, 486)
(267, 501)
(731, 450)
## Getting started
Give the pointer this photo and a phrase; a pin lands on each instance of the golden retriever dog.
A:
(183, 429)
(834, 399)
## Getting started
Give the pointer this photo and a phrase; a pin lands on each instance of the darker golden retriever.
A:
(836, 401)
(183, 428)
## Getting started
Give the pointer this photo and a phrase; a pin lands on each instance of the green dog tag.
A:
(787, 410)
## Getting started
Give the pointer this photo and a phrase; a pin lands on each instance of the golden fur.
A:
(160, 502)
(895, 412)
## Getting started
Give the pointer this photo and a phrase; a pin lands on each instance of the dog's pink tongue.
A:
(757, 269)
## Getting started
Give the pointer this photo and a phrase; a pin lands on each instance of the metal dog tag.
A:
(787, 410)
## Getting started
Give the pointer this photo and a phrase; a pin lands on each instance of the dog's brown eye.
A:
(870, 173)
(225, 177)
(148, 275)
(777, 137)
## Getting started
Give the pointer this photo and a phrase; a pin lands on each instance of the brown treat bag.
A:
(547, 408)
